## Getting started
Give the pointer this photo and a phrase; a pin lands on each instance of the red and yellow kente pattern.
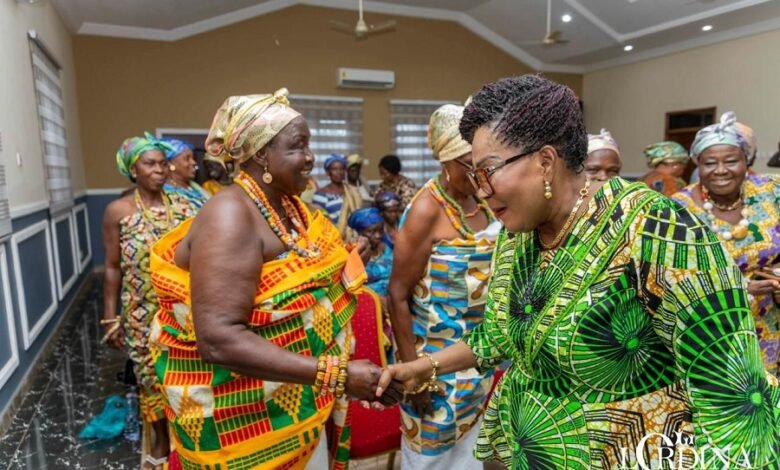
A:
(222, 420)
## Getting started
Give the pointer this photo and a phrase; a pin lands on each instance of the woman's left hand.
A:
(763, 286)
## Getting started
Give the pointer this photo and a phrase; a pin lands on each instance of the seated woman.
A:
(181, 178)
(393, 181)
(219, 177)
(253, 337)
(337, 198)
(667, 160)
(368, 223)
(389, 205)
(742, 210)
(603, 160)
(627, 323)
(131, 225)
(437, 293)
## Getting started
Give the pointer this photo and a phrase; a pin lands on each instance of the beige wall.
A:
(741, 75)
(127, 86)
(18, 114)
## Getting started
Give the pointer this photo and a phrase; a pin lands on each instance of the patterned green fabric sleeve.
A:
(700, 309)
(488, 340)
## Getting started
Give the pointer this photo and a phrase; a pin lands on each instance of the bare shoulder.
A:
(423, 210)
(229, 214)
(118, 209)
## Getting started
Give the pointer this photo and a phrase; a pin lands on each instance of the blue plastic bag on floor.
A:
(109, 423)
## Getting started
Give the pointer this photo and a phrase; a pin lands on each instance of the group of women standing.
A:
(622, 314)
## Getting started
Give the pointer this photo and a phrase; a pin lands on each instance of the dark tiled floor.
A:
(76, 377)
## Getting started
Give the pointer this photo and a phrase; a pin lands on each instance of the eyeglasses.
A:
(464, 164)
(480, 177)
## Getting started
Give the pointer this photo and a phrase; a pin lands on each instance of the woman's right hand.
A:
(405, 373)
(763, 286)
(116, 339)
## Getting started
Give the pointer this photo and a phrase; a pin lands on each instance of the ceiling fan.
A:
(551, 38)
(361, 28)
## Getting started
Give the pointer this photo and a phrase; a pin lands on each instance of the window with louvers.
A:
(5, 210)
(336, 126)
(51, 118)
(409, 135)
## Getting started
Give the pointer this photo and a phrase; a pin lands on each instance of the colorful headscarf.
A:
(602, 141)
(333, 158)
(750, 139)
(177, 147)
(444, 137)
(387, 199)
(361, 219)
(245, 124)
(666, 151)
(354, 159)
(132, 148)
(724, 132)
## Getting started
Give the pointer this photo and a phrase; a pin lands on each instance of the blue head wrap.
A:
(334, 157)
(386, 198)
(361, 219)
(177, 147)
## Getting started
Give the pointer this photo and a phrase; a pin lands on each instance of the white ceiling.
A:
(597, 33)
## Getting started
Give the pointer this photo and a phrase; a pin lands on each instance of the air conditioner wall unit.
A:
(366, 78)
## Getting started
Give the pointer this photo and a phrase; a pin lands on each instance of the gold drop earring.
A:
(547, 190)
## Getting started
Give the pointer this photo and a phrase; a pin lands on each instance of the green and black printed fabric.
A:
(634, 347)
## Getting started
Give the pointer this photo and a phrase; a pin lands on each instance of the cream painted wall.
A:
(18, 114)
(740, 75)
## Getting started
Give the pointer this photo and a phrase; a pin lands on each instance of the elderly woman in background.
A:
(667, 160)
(181, 178)
(354, 165)
(603, 161)
(394, 181)
(368, 223)
(337, 199)
(389, 205)
(437, 294)
(628, 325)
(253, 338)
(131, 224)
(744, 212)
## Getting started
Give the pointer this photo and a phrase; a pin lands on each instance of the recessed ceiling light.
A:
(566, 18)
(706, 27)
(628, 48)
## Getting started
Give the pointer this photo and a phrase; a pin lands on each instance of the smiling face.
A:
(185, 164)
(518, 188)
(151, 170)
(722, 170)
(602, 164)
(289, 157)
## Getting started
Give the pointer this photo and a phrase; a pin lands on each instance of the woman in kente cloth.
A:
(743, 210)
(438, 287)
(252, 341)
(131, 225)
(627, 323)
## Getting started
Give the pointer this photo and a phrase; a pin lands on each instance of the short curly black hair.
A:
(529, 111)
(391, 163)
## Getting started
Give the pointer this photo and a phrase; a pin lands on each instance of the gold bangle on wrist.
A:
(109, 321)
(430, 385)
(322, 364)
(114, 328)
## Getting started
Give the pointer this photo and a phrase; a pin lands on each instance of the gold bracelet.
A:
(109, 321)
(322, 363)
(430, 385)
(334, 376)
(114, 328)
(341, 384)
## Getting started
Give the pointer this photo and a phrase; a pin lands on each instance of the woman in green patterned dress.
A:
(628, 326)
(131, 224)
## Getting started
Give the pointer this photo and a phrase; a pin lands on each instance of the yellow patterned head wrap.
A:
(245, 124)
(444, 135)
(354, 159)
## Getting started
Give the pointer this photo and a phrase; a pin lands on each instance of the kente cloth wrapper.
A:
(444, 136)
(333, 158)
(177, 147)
(666, 151)
(724, 132)
(245, 124)
(447, 302)
(132, 148)
(221, 419)
(137, 234)
(639, 324)
(760, 249)
(602, 141)
(362, 219)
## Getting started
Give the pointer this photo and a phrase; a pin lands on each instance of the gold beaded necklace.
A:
(158, 229)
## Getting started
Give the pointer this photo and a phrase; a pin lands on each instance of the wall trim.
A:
(12, 364)
(82, 264)
(64, 285)
(423, 102)
(175, 130)
(27, 209)
(105, 191)
(343, 99)
(29, 334)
